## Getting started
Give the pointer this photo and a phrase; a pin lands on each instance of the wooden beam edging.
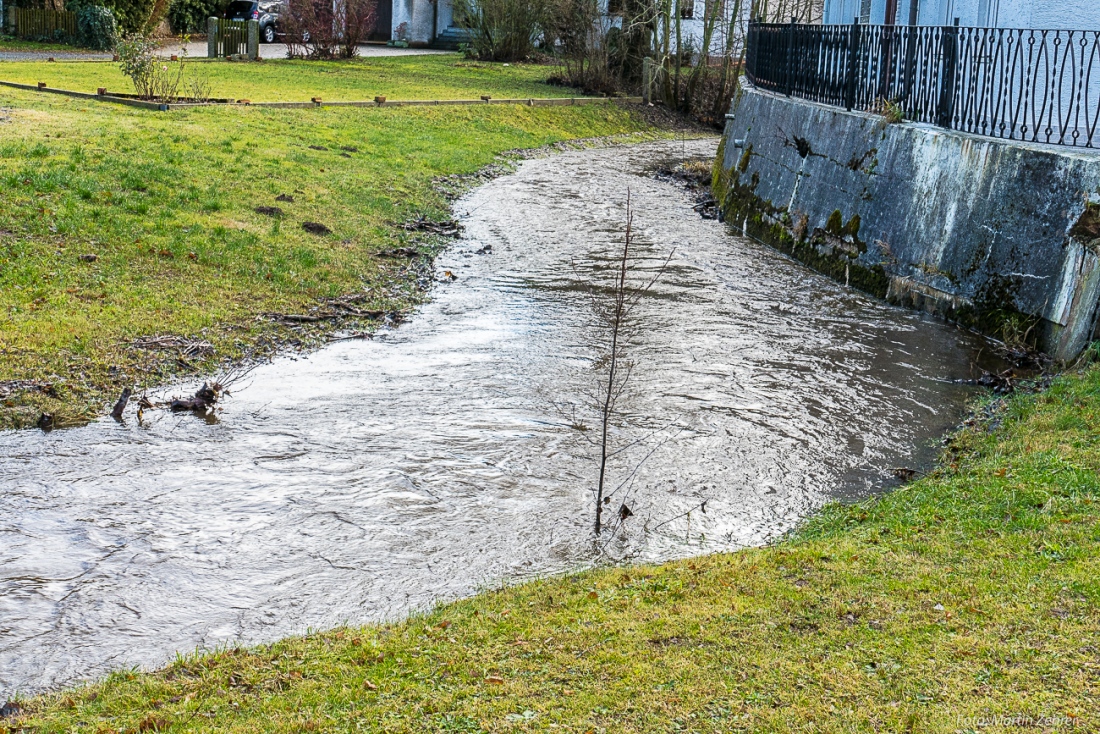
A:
(139, 103)
(529, 102)
(167, 106)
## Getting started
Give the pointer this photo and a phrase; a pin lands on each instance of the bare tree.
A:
(503, 30)
(359, 17)
(699, 70)
(602, 51)
(616, 383)
(614, 304)
(322, 29)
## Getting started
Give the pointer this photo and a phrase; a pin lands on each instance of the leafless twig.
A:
(701, 506)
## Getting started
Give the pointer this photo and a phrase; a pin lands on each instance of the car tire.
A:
(268, 34)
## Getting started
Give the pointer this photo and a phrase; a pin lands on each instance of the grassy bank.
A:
(968, 595)
(443, 76)
(120, 224)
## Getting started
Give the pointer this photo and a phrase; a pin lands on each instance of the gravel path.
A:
(59, 55)
(197, 49)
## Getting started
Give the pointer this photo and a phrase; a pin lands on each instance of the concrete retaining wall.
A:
(1000, 236)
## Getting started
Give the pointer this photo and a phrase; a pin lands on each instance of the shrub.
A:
(154, 78)
(312, 34)
(189, 16)
(197, 88)
(131, 16)
(156, 15)
(359, 17)
(96, 27)
(502, 30)
(592, 44)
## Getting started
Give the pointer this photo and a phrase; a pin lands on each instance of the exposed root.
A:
(349, 337)
(399, 252)
(204, 400)
(188, 348)
(11, 387)
(448, 228)
(345, 311)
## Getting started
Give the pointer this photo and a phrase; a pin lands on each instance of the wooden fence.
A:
(32, 23)
(232, 38)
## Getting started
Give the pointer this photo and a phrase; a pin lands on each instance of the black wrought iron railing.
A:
(1020, 84)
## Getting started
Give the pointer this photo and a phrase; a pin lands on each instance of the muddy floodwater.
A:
(372, 478)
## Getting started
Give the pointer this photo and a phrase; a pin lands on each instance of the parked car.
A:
(268, 14)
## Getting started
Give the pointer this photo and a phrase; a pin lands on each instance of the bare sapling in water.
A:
(614, 308)
(618, 312)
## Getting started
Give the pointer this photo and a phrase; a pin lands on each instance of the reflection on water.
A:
(380, 476)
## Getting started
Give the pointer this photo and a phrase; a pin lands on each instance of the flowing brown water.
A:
(374, 478)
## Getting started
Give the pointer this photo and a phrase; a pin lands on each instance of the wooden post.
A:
(647, 80)
(253, 39)
(212, 38)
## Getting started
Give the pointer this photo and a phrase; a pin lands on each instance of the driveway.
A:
(197, 49)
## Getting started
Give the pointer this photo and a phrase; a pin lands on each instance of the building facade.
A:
(418, 22)
(433, 23)
(1039, 14)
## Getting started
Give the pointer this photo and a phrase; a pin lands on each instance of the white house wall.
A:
(417, 17)
(1042, 14)
(446, 16)
(840, 12)
(1046, 14)
(1045, 51)
(417, 14)
(692, 30)
(1067, 14)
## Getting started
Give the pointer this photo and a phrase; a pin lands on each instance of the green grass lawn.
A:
(165, 202)
(969, 595)
(441, 76)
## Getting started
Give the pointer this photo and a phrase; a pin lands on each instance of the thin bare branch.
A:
(701, 506)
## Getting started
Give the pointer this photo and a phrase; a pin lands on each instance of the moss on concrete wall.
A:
(984, 232)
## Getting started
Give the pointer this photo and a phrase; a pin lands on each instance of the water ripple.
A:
(376, 477)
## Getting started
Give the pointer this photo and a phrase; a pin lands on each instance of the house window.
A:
(687, 9)
(614, 7)
(864, 11)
